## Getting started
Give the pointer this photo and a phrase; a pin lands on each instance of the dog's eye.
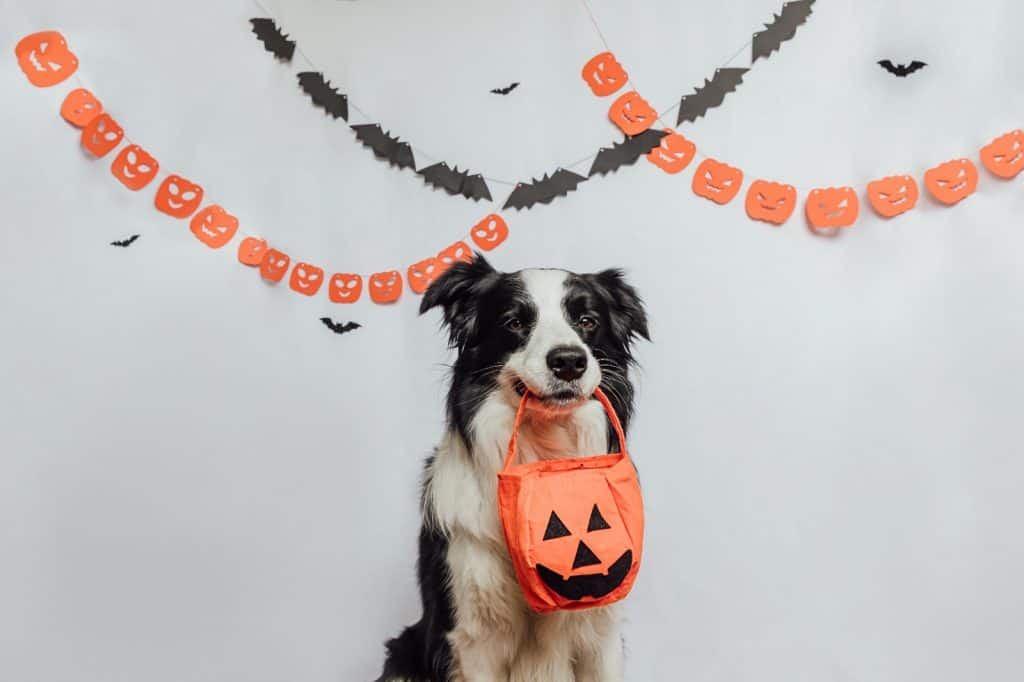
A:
(514, 324)
(588, 322)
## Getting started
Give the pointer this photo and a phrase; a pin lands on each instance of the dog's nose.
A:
(567, 362)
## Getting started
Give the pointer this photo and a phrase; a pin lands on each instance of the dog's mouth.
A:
(595, 585)
(559, 398)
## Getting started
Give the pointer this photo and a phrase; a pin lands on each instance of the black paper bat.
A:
(625, 153)
(901, 70)
(323, 94)
(384, 145)
(710, 95)
(273, 39)
(125, 242)
(456, 182)
(505, 90)
(340, 327)
(782, 28)
(543, 191)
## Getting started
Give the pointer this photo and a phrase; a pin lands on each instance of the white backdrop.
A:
(201, 483)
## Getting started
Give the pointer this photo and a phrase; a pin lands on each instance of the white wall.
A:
(200, 483)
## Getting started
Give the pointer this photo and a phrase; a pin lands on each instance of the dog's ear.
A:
(457, 292)
(629, 319)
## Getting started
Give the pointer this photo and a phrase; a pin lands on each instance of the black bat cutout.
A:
(625, 153)
(782, 28)
(543, 191)
(273, 39)
(456, 182)
(340, 327)
(125, 242)
(710, 95)
(902, 70)
(384, 145)
(505, 90)
(323, 94)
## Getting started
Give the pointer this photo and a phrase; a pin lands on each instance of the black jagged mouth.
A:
(595, 585)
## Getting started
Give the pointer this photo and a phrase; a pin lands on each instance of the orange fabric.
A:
(604, 74)
(1004, 156)
(892, 195)
(490, 232)
(952, 181)
(80, 107)
(574, 527)
(832, 207)
(673, 153)
(134, 167)
(345, 287)
(717, 181)
(632, 114)
(45, 58)
(771, 202)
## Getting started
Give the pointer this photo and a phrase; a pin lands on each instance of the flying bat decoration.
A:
(456, 182)
(125, 242)
(273, 39)
(710, 95)
(782, 28)
(543, 191)
(901, 70)
(505, 90)
(385, 146)
(627, 152)
(323, 94)
(340, 327)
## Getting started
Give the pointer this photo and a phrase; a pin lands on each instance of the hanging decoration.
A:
(832, 207)
(952, 181)
(543, 191)
(901, 70)
(770, 202)
(385, 146)
(323, 94)
(1003, 157)
(274, 41)
(710, 95)
(455, 181)
(717, 181)
(80, 107)
(45, 58)
(673, 152)
(340, 327)
(892, 195)
(782, 28)
(627, 152)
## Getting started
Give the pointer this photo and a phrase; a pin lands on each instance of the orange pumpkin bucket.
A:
(574, 527)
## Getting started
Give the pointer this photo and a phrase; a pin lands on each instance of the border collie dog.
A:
(559, 335)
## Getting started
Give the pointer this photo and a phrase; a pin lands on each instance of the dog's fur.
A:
(476, 626)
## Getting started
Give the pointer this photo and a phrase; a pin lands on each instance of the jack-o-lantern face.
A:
(489, 232)
(177, 197)
(252, 250)
(673, 153)
(422, 274)
(892, 195)
(214, 226)
(632, 114)
(345, 287)
(604, 74)
(385, 287)
(80, 107)
(45, 58)
(101, 135)
(1004, 156)
(717, 181)
(459, 251)
(134, 167)
(771, 202)
(274, 265)
(306, 279)
(952, 181)
(832, 207)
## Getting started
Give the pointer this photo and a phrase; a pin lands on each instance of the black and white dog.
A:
(560, 335)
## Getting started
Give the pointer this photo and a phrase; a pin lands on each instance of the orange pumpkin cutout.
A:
(892, 195)
(215, 227)
(459, 251)
(1004, 156)
(80, 107)
(604, 74)
(772, 202)
(178, 197)
(306, 279)
(252, 250)
(422, 274)
(632, 114)
(345, 287)
(952, 181)
(385, 287)
(574, 527)
(101, 135)
(673, 153)
(134, 167)
(832, 207)
(45, 58)
(717, 181)
(489, 232)
(274, 265)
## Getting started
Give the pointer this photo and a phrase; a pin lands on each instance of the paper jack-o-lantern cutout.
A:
(345, 287)
(772, 202)
(80, 107)
(306, 279)
(423, 273)
(604, 74)
(101, 135)
(385, 287)
(459, 251)
(1004, 156)
(952, 181)
(632, 114)
(251, 251)
(274, 265)
(673, 153)
(134, 167)
(890, 196)
(832, 207)
(45, 58)
(717, 181)
(178, 197)
(489, 232)
(215, 227)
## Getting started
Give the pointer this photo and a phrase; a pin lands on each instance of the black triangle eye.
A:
(556, 529)
(597, 521)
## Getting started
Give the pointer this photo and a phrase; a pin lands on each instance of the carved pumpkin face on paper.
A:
(832, 207)
(80, 107)
(632, 114)
(214, 226)
(423, 273)
(345, 287)
(892, 195)
(306, 279)
(385, 287)
(673, 153)
(177, 197)
(101, 135)
(952, 181)
(252, 250)
(459, 251)
(604, 74)
(134, 167)
(489, 232)
(45, 59)
(771, 202)
(275, 263)
(717, 181)
(1004, 156)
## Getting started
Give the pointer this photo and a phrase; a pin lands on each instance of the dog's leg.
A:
(599, 646)
(546, 655)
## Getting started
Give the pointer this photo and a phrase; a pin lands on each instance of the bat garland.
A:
(340, 327)
(385, 146)
(274, 40)
(782, 28)
(323, 94)
(625, 153)
(543, 191)
(901, 70)
(710, 95)
(455, 181)
(125, 242)
(505, 90)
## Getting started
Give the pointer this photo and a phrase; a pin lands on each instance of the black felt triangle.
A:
(555, 529)
(597, 521)
(584, 556)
